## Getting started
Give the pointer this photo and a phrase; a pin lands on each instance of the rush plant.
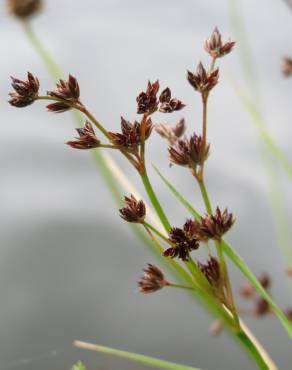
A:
(208, 280)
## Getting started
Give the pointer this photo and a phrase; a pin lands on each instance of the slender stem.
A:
(180, 286)
(91, 117)
(226, 279)
(109, 146)
(205, 196)
(155, 202)
(143, 133)
(212, 66)
(41, 50)
(152, 228)
(204, 130)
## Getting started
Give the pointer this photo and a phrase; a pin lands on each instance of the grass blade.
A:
(146, 360)
(235, 258)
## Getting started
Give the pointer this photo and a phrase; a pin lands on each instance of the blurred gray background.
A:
(68, 264)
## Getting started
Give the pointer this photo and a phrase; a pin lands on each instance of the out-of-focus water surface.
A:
(68, 264)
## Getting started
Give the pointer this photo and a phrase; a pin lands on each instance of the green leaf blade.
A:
(146, 360)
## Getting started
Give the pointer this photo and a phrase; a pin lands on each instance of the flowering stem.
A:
(180, 286)
(205, 196)
(143, 132)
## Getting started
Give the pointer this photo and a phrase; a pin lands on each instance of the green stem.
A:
(53, 67)
(205, 196)
(155, 202)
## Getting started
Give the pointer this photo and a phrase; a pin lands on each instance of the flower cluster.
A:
(186, 239)
(134, 210)
(148, 103)
(171, 133)
(216, 225)
(189, 152)
(87, 138)
(24, 8)
(25, 91)
(68, 92)
(169, 104)
(202, 80)
(183, 240)
(152, 280)
(211, 270)
(215, 47)
(130, 137)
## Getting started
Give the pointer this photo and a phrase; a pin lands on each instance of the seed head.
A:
(134, 210)
(211, 269)
(24, 8)
(215, 47)
(25, 91)
(171, 133)
(168, 104)
(68, 91)
(189, 152)
(183, 240)
(216, 225)
(147, 101)
(130, 137)
(86, 139)
(202, 80)
(152, 280)
(287, 67)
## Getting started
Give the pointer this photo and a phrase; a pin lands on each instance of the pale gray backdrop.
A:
(68, 264)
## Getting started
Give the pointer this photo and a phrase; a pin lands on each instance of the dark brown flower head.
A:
(202, 80)
(215, 47)
(24, 8)
(134, 210)
(287, 67)
(152, 280)
(183, 240)
(216, 225)
(67, 90)
(130, 137)
(147, 101)
(171, 133)
(211, 270)
(262, 307)
(168, 104)
(25, 91)
(86, 139)
(189, 152)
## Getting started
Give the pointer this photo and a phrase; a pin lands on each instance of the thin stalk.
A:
(152, 228)
(41, 50)
(155, 202)
(180, 286)
(205, 196)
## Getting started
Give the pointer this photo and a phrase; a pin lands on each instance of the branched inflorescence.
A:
(186, 151)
